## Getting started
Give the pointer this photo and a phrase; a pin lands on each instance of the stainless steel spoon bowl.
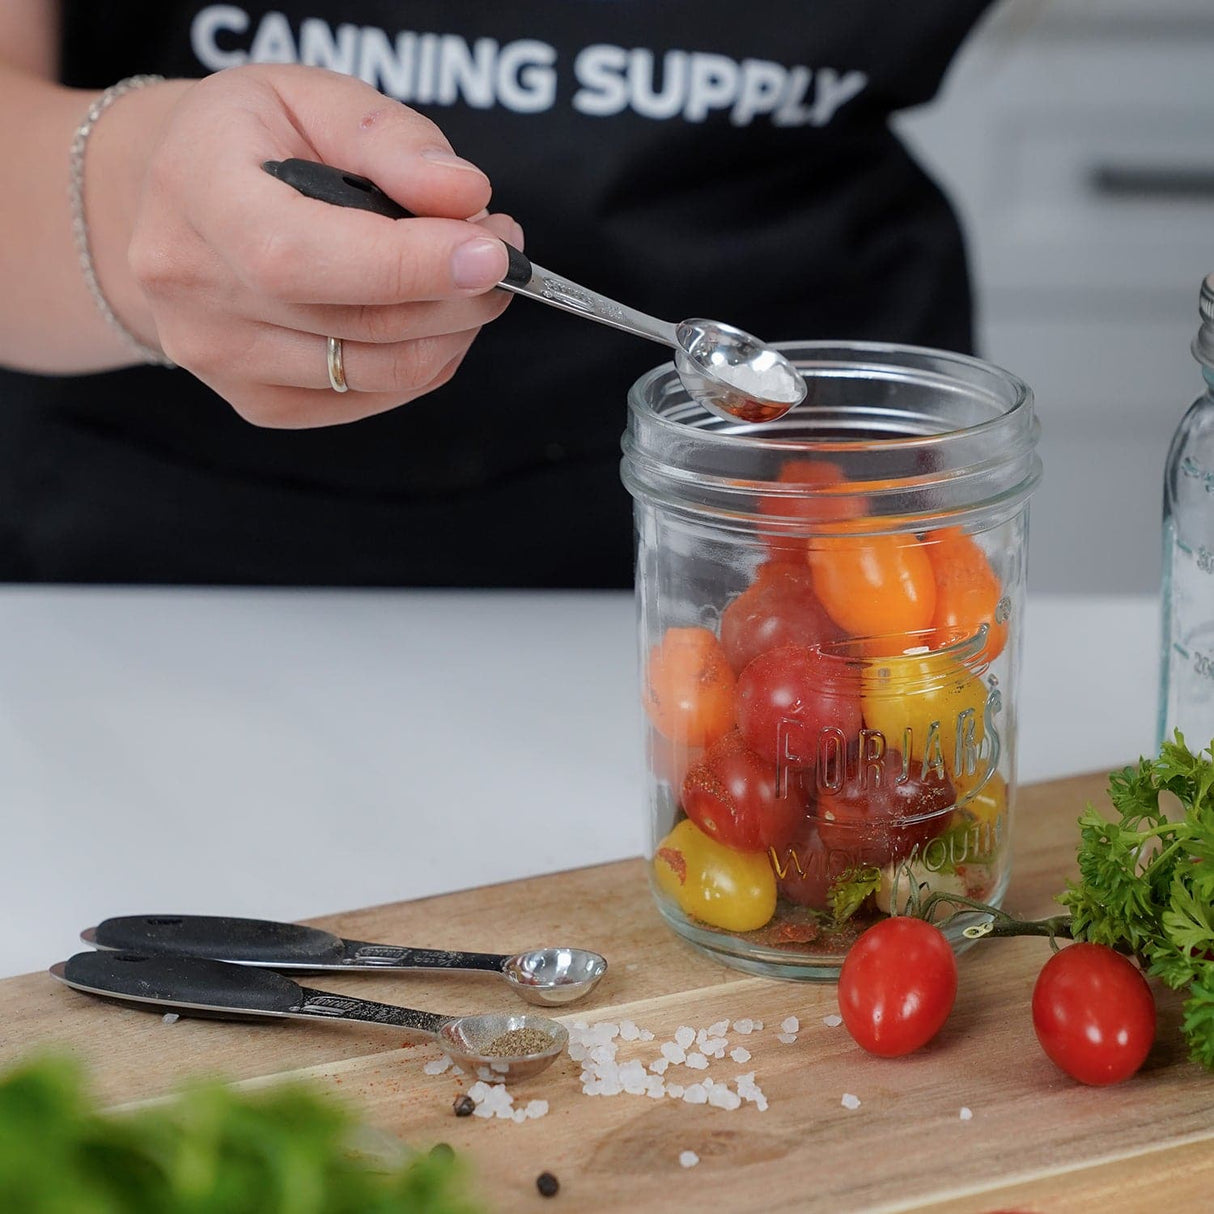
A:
(197, 986)
(544, 976)
(729, 372)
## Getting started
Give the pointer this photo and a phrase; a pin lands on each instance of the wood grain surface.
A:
(1036, 1141)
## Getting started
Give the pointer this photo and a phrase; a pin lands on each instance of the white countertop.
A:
(284, 754)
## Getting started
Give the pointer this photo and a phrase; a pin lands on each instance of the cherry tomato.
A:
(879, 587)
(923, 705)
(1093, 1013)
(787, 696)
(967, 592)
(778, 608)
(728, 889)
(813, 508)
(897, 986)
(807, 868)
(877, 817)
(735, 797)
(689, 687)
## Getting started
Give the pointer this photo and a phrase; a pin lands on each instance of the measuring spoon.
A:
(547, 976)
(727, 371)
(198, 986)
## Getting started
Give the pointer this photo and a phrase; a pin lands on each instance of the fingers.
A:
(352, 125)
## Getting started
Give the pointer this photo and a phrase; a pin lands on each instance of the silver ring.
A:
(337, 368)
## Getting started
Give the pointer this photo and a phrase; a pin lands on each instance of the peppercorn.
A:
(464, 1106)
(547, 1184)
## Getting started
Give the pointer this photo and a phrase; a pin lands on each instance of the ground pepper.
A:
(517, 1043)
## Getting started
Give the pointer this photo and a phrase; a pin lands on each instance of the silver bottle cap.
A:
(1203, 343)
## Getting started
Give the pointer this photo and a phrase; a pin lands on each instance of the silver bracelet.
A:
(80, 228)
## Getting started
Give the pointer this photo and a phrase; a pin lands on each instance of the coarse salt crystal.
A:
(790, 1024)
(688, 1159)
(697, 1061)
(758, 1026)
(787, 1038)
(722, 1098)
(966, 1114)
(518, 1115)
(628, 1031)
(714, 1047)
(673, 1052)
(170, 1018)
(832, 1021)
(849, 1101)
(684, 1036)
(719, 1029)
(740, 1054)
(537, 1108)
(675, 1090)
(603, 1053)
(695, 1094)
(658, 1065)
(436, 1066)
(743, 1026)
(646, 1035)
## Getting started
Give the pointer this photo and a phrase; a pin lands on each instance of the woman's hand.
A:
(240, 279)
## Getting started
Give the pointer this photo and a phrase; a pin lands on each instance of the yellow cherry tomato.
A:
(732, 890)
(933, 711)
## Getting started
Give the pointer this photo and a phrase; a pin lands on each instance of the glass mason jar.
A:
(830, 611)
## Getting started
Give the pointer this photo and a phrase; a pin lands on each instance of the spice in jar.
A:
(518, 1043)
(547, 1184)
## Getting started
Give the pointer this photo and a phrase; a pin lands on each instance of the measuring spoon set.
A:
(205, 965)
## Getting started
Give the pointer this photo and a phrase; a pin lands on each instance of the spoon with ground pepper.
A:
(496, 1047)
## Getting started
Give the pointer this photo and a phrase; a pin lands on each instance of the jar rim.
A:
(753, 433)
(914, 435)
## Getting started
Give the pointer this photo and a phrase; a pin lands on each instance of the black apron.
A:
(656, 150)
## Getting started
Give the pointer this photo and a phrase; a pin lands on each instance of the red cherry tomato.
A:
(877, 818)
(897, 986)
(778, 608)
(787, 696)
(807, 868)
(733, 796)
(967, 592)
(875, 586)
(1093, 1013)
(689, 684)
(822, 506)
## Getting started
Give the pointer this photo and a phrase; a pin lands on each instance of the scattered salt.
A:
(758, 1026)
(719, 1029)
(170, 1018)
(832, 1021)
(436, 1066)
(629, 1031)
(537, 1108)
(697, 1062)
(786, 1038)
(740, 1054)
(673, 1052)
(675, 1090)
(966, 1114)
(659, 1065)
(790, 1024)
(695, 1094)
(688, 1159)
(684, 1036)
(743, 1026)
(850, 1102)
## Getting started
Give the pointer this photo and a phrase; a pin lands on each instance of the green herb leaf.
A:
(850, 890)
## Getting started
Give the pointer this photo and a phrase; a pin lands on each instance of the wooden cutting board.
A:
(1036, 1140)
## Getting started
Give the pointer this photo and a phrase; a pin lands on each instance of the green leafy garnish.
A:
(850, 889)
(210, 1150)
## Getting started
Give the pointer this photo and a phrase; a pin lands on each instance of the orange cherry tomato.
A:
(967, 592)
(688, 692)
(811, 509)
(879, 587)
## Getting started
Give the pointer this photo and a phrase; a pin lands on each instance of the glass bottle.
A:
(1186, 699)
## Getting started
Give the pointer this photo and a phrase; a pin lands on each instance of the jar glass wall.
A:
(830, 617)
